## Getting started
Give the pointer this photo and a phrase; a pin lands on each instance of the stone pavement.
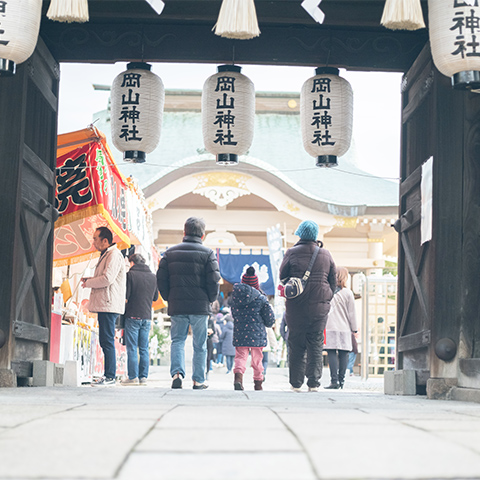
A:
(153, 432)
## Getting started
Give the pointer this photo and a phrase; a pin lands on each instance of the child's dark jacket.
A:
(251, 314)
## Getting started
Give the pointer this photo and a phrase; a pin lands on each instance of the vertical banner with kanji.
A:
(91, 192)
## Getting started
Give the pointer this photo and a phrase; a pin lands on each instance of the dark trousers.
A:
(106, 334)
(305, 357)
(337, 360)
(209, 353)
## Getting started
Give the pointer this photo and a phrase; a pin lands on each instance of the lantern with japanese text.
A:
(137, 96)
(454, 28)
(228, 114)
(19, 27)
(326, 116)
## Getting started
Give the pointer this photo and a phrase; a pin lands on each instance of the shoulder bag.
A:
(295, 286)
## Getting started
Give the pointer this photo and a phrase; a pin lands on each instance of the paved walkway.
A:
(153, 432)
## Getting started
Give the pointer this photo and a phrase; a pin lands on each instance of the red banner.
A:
(91, 192)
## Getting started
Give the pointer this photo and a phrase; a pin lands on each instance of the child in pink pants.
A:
(251, 314)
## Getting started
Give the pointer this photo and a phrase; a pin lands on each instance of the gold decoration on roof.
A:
(222, 179)
(289, 206)
(346, 222)
(222, 188)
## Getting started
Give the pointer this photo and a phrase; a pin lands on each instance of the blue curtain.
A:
(233, 266)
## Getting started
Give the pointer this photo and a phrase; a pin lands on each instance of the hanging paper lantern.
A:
(137, 102)
(455, 40)
(19, 27)
(228, 114)
(326, 116)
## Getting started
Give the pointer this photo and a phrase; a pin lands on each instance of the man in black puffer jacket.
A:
(187, 279)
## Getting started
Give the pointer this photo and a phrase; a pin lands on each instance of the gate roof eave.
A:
(130, 30)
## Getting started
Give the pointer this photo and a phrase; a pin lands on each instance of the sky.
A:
(377, 101)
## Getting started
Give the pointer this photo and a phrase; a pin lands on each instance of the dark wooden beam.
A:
(366, 13)
(28, 331)
(355, 49)
(414, 341)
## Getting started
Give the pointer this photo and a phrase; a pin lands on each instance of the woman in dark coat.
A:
(307, 314)
(251, 314)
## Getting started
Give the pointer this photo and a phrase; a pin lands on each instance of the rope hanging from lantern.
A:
(237, 19)
(68, 11)
(403, 15)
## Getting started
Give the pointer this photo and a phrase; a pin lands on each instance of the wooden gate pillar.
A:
(439, 281)
(12, 113)
(28, 112)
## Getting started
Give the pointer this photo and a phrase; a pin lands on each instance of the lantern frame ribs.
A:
(228, 114)
(137, 101)
(19, 28)
(326, 112)
(454, 40)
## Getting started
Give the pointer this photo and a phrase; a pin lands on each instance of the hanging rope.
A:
(237, 19)
(403, 15)
(68, 11)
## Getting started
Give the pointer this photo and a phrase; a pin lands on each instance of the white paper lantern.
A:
(228, 114)
(137, 101)
(326, 116)
(454, 28)
(19, 27)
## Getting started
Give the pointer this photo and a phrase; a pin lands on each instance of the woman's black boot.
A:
(333, 386)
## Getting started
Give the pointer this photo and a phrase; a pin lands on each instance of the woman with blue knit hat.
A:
(306, 315)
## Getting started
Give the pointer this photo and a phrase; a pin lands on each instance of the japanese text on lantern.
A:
(130, 104)
(101, 170)
(321, 118)
(224, 119)
(72, 183)
(3, 11)
(466, 26)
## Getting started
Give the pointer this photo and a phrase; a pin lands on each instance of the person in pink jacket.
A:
(107, 297)
(341, 325)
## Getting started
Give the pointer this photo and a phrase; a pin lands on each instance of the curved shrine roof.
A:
(277, 155)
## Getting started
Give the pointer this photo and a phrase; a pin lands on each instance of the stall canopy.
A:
(91, 192)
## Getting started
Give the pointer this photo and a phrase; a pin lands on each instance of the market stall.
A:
(91, 192)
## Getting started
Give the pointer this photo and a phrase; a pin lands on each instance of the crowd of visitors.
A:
(225, 331)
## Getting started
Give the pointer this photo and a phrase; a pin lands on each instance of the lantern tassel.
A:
(403, 15)
(68, 11)
(237, 19)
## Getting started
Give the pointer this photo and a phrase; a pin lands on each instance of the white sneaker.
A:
(103, 382)
(313, 389)
(294, 389)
